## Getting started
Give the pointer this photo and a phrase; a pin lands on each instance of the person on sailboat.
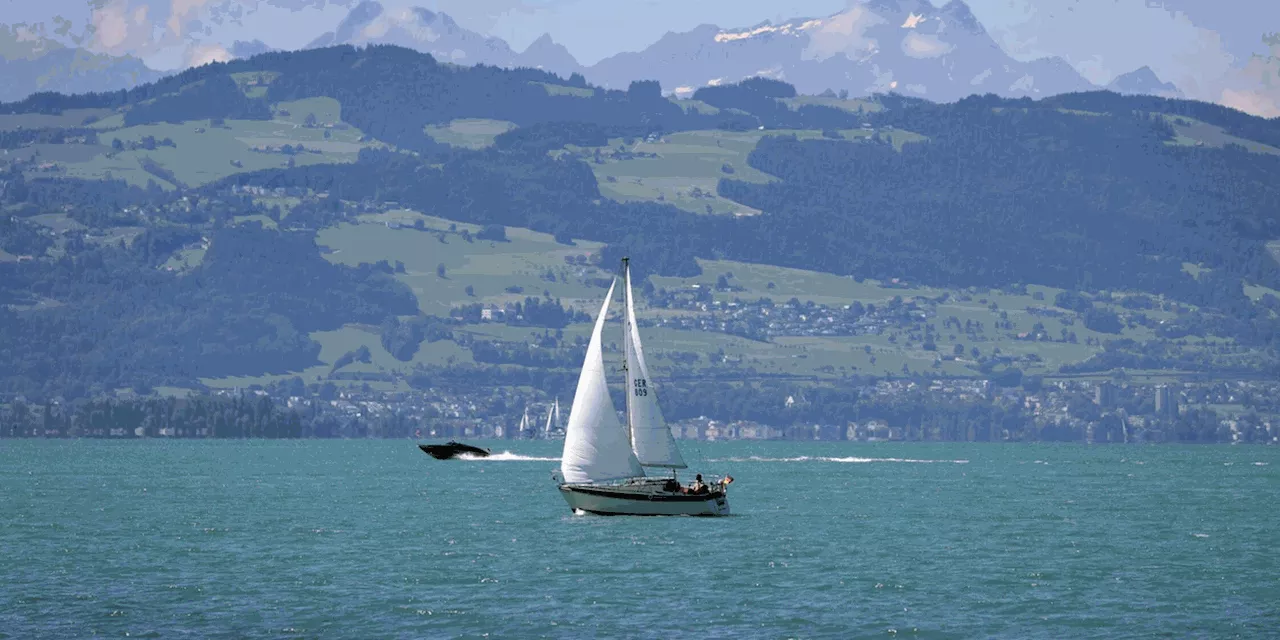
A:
(698, 486)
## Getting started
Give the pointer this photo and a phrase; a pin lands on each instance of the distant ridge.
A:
(1144, 81)
(31, 63)
(421, 30)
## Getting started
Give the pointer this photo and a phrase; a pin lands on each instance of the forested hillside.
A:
(185, 231)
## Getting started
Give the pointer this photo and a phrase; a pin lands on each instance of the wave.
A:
(506, 456)
(832, 459)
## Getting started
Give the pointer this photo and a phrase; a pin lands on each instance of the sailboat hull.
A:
(614, 500)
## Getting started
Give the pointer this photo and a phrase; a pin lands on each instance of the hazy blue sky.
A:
(1198, 44)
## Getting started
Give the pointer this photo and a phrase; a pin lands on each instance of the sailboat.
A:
(553, 421)
(602, 469)
(524, 424)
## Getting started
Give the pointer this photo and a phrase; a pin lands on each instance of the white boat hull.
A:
(613, 500)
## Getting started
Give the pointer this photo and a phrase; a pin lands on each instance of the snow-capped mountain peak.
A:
(420, 29)
(765, 29)
(872, 46)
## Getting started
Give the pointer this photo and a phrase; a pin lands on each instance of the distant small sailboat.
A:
(524, 425)
(553, 427)
(602, 467)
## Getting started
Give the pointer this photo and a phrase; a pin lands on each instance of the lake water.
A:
(365, 539)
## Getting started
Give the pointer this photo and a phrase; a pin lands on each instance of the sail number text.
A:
(641, 389)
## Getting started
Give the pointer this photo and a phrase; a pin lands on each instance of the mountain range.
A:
(877, 46)
(907, 46)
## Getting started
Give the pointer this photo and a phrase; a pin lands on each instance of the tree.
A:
(1103, 321)
(440, 270)
(309, 121)
(470, 290)
(645, 89)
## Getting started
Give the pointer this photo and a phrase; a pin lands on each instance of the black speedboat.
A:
(452, 449)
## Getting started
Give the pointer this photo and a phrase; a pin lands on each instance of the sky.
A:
(1212, 49)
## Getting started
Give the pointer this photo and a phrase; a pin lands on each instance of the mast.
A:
(626, 348)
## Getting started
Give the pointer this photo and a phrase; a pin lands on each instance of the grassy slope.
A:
(470, 133)
(490, 267)
(68, 118)
(205, 153)
(853, 105)
(1192, 132)
(689, 165)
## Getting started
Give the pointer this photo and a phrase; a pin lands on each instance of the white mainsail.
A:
(524, 422)
(650, 437)
(596, 445)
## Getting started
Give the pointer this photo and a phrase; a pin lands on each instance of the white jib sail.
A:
(650, 436)
(551, 412)
(596, 445)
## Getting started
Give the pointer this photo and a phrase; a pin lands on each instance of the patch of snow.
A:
(785, 29)
(920, 46)
(1025, 83)
(844, 33)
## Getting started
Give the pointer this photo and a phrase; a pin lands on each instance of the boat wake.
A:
(506, 456)
(830, 459)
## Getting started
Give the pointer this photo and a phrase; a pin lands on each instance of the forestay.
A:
(596, 446)
(650, 437)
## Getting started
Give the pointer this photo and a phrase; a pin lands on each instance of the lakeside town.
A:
(1096, 412)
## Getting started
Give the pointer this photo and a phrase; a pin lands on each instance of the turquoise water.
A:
(365, 539)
